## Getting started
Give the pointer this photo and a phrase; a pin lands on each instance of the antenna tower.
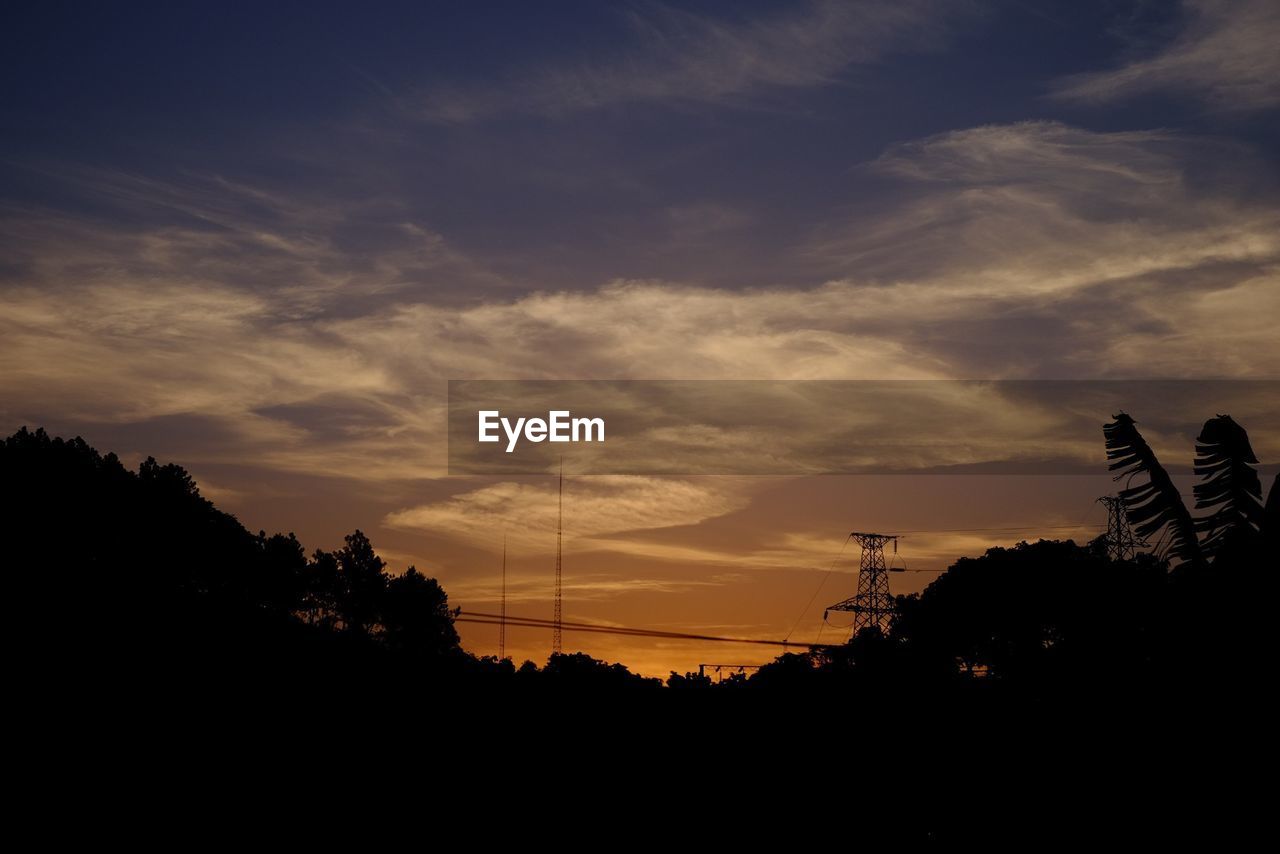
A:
(555, 635)
(502, 622)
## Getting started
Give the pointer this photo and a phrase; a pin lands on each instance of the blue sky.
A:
(562, 145)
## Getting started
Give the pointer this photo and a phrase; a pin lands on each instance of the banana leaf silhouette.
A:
(1152, 505)
(1231, 487)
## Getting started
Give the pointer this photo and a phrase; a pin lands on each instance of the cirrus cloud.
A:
(1226, 55)
(682, 57)
(1025, 250)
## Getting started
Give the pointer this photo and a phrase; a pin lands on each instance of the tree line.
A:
(138, 572)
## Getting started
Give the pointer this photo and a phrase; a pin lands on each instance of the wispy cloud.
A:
(679, 56)
(309, 250)
(581, 587)
(1225, 55)
(1010, 251)
(1069, 252)
(600, 507)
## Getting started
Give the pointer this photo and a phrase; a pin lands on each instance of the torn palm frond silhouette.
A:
(1230, 487)
(1156, 503)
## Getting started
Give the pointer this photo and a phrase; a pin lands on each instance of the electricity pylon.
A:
(1122, 543)
(872, 606)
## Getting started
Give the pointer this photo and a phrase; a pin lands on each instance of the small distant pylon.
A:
(1121, 542)
(872, 606)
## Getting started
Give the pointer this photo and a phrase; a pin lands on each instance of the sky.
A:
(259, 241)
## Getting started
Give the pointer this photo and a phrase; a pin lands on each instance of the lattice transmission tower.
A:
(1122, 543)
(872, 605)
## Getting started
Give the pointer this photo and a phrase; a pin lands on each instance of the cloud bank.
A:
(1011, 251)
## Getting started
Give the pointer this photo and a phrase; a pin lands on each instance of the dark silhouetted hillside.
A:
(144, 610)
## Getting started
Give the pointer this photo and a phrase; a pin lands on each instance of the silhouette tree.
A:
(788, 671)
(1036, 612)
(139, 572)
(320, 585)
(416, 616)
(577, 670)
(362, 581)
(689, 681)
(283, 572)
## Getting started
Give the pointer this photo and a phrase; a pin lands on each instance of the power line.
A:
(825, 576)
(538, 623)
(986, 530)
(629, 633)
(558, 625)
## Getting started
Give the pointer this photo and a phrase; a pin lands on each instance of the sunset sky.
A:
(259, 239)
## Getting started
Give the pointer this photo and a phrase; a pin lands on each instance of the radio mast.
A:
(555, 637)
